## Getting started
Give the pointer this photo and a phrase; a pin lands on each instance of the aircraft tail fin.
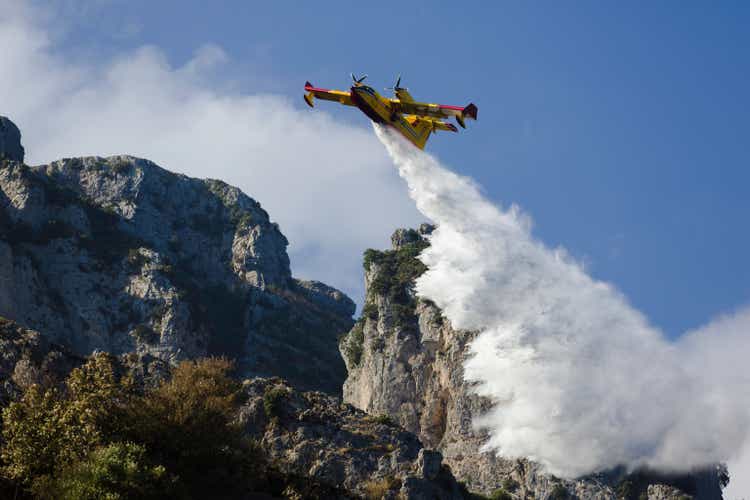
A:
(469, 111)
(309, 97)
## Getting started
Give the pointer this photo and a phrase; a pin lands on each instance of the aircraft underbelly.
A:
(370, 106)
(380, 113)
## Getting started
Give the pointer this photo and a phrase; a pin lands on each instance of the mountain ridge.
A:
(118, 254)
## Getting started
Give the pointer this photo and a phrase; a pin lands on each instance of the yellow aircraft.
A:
(415, 120)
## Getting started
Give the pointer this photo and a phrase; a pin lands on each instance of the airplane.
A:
(414, 120)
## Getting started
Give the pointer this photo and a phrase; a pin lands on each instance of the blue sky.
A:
(621, 129)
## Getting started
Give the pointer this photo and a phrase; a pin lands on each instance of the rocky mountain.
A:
(316, 436)
(10, 141)
(319, 447)
(405, 360)
(120, 255)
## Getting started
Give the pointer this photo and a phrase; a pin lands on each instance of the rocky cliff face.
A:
(27, 358)
(120, 255)
(404, 360)
(315, 436)
(10, 141)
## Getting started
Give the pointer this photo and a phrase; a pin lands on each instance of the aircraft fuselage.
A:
(377, 109)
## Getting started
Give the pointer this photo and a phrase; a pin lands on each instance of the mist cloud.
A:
(581, 381)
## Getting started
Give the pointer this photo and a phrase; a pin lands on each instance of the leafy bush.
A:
(48, 428)
(272, 402)
(385, 420)
(116, 471)
(500, 494)
(394, 279)
(370, 311)
(353, 343)
(180, 434)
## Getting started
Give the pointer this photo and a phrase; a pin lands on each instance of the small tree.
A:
(187, 423)
(119, 440)
(116, 471)
(49, 428)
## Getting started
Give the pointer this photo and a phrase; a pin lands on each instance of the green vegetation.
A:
(101, 436)
(272, 400)
(559, 492)
(121, 167)
(510, 484)
(385, 420)
(626, 490)
(370, 310)
(116, 471)
(396, 271)
(500, 494)
(50, 428)
(353, 343)
(107, 241)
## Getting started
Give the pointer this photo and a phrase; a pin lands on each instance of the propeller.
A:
(397, 86)
(358, 81)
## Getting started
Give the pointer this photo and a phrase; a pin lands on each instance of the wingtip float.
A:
(414, 120)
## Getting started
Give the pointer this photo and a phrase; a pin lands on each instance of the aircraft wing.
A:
(436, 110)
(326, 94)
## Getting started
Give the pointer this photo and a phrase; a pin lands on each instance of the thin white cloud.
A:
(330, 186)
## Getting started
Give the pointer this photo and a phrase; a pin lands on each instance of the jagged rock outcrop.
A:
(664, 492)
(27, 358)
(405, 360)
(119, 255)
(314, 435)
(10, 141)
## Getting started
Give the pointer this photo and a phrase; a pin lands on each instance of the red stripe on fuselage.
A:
(457, 108)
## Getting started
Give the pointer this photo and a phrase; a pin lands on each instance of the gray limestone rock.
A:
(664, 492)
(405, 360)
(10, 141)
(316, 436)
(119, 255)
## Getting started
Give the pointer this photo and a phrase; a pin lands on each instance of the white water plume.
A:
(581, 382)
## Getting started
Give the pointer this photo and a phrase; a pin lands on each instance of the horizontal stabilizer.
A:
(469, 111)
(448, 127)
